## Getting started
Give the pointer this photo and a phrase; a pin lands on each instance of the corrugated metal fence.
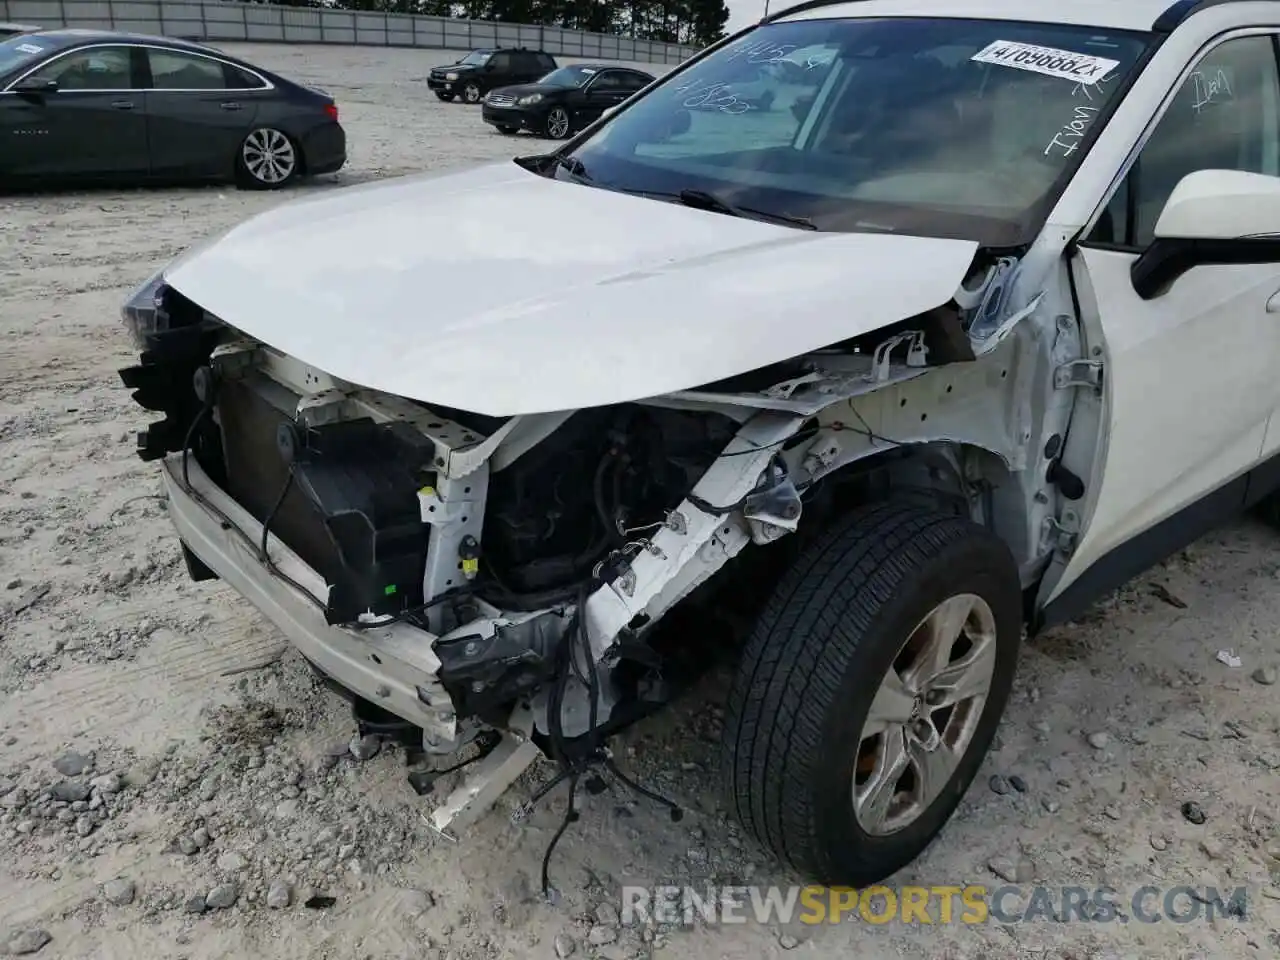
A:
(224, 20)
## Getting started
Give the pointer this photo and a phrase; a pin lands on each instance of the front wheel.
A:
(557, 124)
(471, 93)
(870, 691)
(268, 159)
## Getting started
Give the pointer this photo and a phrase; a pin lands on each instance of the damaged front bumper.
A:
(393, 667)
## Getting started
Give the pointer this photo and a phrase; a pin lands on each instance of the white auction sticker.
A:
(29, 48)
(1079, 67)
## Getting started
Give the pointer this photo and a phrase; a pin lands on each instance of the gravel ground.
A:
(170, 786)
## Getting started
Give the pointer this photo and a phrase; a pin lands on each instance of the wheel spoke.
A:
(892, 705)
(874, 798)
(933, 769)
(966, 678)
(941, 630)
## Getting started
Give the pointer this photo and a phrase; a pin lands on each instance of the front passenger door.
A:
(90, 125)
(196, 119)
(1191, 375)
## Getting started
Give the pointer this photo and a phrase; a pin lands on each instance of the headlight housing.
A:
(530, 99)
(142, 313)
(451, 76)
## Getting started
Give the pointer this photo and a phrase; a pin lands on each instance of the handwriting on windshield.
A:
(1210, 88)
(759, 51)
(712, 96)
(1091, 90)
(1069, 136)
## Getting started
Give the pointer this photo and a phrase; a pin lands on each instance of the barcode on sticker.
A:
(1050, 61)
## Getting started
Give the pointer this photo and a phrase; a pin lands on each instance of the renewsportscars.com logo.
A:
(944, 904)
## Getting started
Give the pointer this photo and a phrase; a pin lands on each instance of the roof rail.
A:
(1181, 10)
(804, 7)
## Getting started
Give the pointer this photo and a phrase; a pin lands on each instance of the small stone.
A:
(1040, 726)
(417, 902)
(1003, 868)
(1193, 813)
(1099, 740)
(201, 838)
(364, 748)
(1212, 849)
(1158, 842)
(607, 915)
(84, 826)
(1112, 812)
(71, 764)
(565, 945)
(187, 846)
(232, 862)
(195, 904)
(69, 791)
(119, 892)
(1265, 676)
(787, 942)
(279, 895)
(288, 809)
(108, 783)
(1050, 805)
(998, 784)
(222, 897)
(24, 942)
(1018, 783)
(599, 936)
(141, 775)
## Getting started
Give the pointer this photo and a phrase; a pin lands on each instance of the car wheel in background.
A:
(509, 131)
(268, 159)
(471, 93)
(557, 125)
(446, 97)
(870, 691)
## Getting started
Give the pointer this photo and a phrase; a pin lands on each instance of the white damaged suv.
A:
(972, 317)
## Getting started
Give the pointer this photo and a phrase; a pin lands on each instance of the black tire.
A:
(445, 97)
(251, 175)
(826, 639)
(558, 124)
(471, 93)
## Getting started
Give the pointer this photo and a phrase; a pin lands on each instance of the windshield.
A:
(476, 58)
(18, 50)
(568, 77)
(934, 127)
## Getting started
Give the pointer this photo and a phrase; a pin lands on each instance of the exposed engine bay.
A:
(466, 578)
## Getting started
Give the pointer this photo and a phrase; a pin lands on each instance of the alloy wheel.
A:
(558, 123)
(269, 156)
(924, 714)
(471, 93)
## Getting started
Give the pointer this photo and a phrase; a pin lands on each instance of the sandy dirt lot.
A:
(160, 758)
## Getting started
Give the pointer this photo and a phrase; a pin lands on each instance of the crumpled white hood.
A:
(501, 292)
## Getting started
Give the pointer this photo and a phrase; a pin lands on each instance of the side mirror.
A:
(1212, 217)
(35, 85)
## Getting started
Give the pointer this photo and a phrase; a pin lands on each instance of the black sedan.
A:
(563, 101)
(80, 105)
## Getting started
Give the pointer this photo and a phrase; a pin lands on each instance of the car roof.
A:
(73, 37)
(1107, 14)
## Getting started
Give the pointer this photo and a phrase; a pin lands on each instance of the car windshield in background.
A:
(934, 127)
(477, 58)
(568, 77)
(19, 50)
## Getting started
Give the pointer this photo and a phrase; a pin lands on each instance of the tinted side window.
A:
(546, 62)
(609, 80)
(501, 61)
(179, 71)
(1225, 116)
(237, 79)
(633, 81)
(98, 68)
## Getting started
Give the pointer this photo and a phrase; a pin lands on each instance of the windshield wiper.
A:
(548, 162)
(702, 200)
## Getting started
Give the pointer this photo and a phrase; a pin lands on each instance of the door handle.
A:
(122, 104)
(230, 105)
(1273, 304)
